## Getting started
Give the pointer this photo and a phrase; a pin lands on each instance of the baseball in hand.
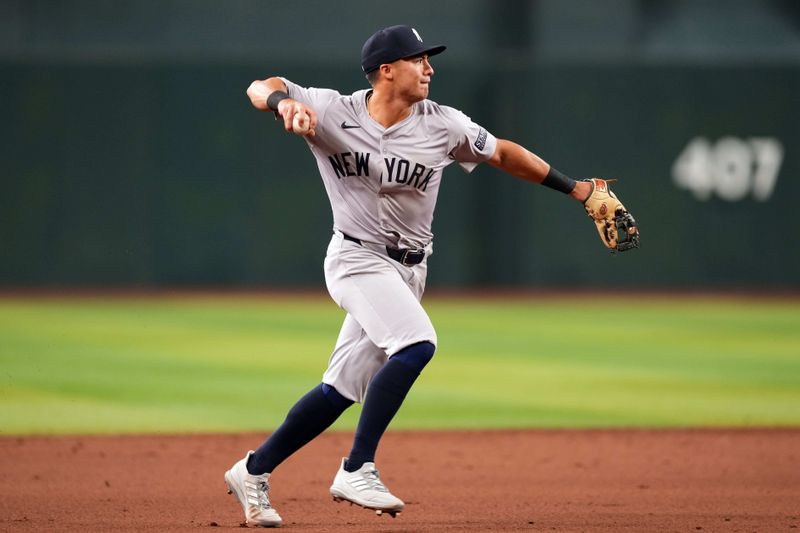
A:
(301, 123)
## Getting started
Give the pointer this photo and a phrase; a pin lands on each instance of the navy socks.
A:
(416, 356)
(320, 408)
(384, 397)
(309, 417)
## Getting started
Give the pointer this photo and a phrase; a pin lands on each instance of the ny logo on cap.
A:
(417, 34)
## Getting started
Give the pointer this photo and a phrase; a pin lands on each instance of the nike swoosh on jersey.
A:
(346, 126)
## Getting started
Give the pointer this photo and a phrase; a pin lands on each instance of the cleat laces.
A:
(263, 495)
(374, 481)
(258, 494)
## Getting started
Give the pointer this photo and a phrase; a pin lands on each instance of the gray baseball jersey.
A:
(383, 182)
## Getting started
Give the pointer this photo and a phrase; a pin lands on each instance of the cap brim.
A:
(432, 51)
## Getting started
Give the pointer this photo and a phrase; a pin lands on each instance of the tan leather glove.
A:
(615, 224)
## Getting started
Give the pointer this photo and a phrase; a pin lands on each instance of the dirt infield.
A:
(538, 480)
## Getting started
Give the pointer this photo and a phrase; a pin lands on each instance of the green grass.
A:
(199, 364)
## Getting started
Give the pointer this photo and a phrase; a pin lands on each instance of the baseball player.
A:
(380, 153)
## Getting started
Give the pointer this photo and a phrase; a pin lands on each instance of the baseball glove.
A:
(616, 226)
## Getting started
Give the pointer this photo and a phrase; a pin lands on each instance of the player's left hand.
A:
(615, 224)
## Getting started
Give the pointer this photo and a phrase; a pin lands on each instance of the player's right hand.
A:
(288, 108)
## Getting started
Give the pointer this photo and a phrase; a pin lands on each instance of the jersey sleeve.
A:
(316, 99)
(471, 143)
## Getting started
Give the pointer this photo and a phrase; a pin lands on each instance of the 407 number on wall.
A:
(731, 168)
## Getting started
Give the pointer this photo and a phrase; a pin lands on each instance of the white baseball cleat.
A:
(364, 487)
(253, 493)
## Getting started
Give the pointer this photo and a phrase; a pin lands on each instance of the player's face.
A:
(413, 76)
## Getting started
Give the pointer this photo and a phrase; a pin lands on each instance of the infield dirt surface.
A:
(740, 480)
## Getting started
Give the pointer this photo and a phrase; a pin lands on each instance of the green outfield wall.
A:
(145, 165)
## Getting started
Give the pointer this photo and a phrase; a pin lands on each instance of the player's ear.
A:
(386, 70)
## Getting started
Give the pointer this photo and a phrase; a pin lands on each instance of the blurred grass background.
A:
(191, 363)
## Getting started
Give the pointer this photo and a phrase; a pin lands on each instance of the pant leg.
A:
(381, 297)
(354, 361)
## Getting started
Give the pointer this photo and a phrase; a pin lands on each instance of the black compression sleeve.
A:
(558, 181)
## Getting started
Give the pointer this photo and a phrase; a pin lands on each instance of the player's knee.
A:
(417, 355)
(335, 397)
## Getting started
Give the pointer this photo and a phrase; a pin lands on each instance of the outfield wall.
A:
(123, 165)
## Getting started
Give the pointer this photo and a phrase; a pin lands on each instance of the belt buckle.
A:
(417, 251)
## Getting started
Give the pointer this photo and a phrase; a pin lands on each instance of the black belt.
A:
(407, 256)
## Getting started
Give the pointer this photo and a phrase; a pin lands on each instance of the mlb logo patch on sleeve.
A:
(480, 142)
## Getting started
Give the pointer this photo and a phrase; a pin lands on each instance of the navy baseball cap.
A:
(393, 43)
